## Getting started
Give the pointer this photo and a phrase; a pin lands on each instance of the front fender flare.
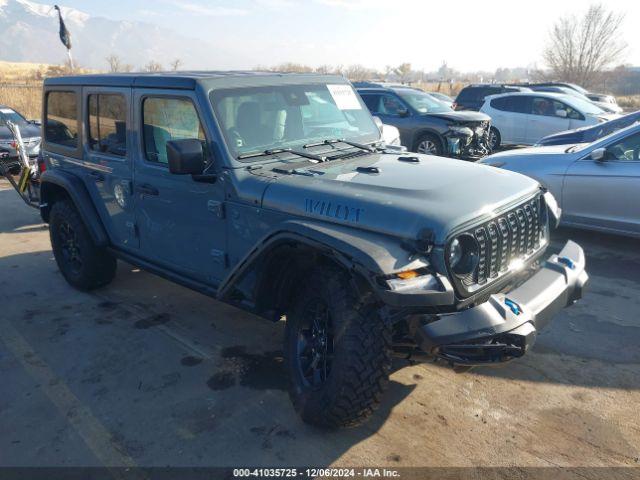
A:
(52, 181)
(370, 253)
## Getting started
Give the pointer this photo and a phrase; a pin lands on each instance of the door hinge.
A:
(216, 207)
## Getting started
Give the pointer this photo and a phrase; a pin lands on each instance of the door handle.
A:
(97, 176)
(146, 189)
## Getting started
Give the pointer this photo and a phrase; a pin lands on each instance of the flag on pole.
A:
(65, 36)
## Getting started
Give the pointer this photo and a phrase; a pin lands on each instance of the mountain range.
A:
(29, 33)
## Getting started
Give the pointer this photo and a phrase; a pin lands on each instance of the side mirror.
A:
(403, 112)
(561, 113)
(599, 154)
(378, 123)
(185, 156)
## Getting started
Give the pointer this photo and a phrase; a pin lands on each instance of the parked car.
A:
(472, 97)
(572, 86)
(525, 118)
(607, 107)
(596, 184)
(29, 130)
(590, 134)
(427, 125)
(272, 192)
(605, 101)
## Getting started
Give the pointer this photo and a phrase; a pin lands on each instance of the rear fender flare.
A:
(53, 184)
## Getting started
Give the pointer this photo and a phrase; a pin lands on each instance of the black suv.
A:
(472, 96)
(427, 125)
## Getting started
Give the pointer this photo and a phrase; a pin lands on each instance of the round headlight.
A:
(455, 253)
(463, 255)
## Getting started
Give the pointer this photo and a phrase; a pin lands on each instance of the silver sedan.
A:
(596, 184)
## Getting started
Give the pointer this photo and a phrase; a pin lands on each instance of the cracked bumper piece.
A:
(505, 327)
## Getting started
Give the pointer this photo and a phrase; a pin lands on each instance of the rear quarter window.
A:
(61, 122)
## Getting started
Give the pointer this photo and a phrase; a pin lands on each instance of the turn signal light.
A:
(409, 274)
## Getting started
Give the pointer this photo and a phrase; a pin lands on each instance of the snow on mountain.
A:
(29, 33)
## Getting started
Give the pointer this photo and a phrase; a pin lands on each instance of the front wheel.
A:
(337, 351)
(494, 138)
(429, 144)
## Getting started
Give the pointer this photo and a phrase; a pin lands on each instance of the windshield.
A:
(584, 106)
(423, 102)
(9, 115)
(289, 116)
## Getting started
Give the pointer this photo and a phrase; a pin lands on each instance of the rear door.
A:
(509, 116)
(546, 118)
(606, 193)
(107, 161)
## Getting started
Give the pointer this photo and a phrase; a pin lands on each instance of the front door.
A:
(606, 193)
(107, 161)
(180, 220)
(547, 116)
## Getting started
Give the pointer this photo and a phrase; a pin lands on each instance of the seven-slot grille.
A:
(516, 234)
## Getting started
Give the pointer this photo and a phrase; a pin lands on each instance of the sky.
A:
(468, 35)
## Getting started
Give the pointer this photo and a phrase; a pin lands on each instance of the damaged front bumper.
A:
(468, 142)
(505, 327)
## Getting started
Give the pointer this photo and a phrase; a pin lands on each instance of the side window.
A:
(520, 104)
(61, 123)
(166, 119)
(391, 105)
(107, 125)
(500, 103)
(372, 101)
(572, 113)
(543, 106)
(627, 149)
(464, 95)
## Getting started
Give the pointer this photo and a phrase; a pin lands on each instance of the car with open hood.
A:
(275, 193)
(428, 125)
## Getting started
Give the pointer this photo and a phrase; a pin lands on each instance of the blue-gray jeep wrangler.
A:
(275, 193)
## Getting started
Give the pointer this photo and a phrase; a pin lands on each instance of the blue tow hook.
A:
(513, 306)
(568, 262)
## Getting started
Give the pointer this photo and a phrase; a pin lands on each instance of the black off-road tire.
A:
(361, 360)
(88, 266)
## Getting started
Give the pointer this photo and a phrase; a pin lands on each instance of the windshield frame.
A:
(285, 148)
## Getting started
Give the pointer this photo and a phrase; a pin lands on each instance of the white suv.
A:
(523, 118)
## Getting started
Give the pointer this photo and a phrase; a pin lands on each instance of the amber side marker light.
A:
(409, 274)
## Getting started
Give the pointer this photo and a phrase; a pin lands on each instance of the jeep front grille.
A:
(513, 236)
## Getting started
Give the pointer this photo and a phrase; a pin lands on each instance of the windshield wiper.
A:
(274, 151)
(331, 141)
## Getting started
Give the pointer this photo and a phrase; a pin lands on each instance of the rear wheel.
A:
(83, 264)
(337, 350)
(429, 144)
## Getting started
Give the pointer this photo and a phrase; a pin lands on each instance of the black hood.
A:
(463, 116)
